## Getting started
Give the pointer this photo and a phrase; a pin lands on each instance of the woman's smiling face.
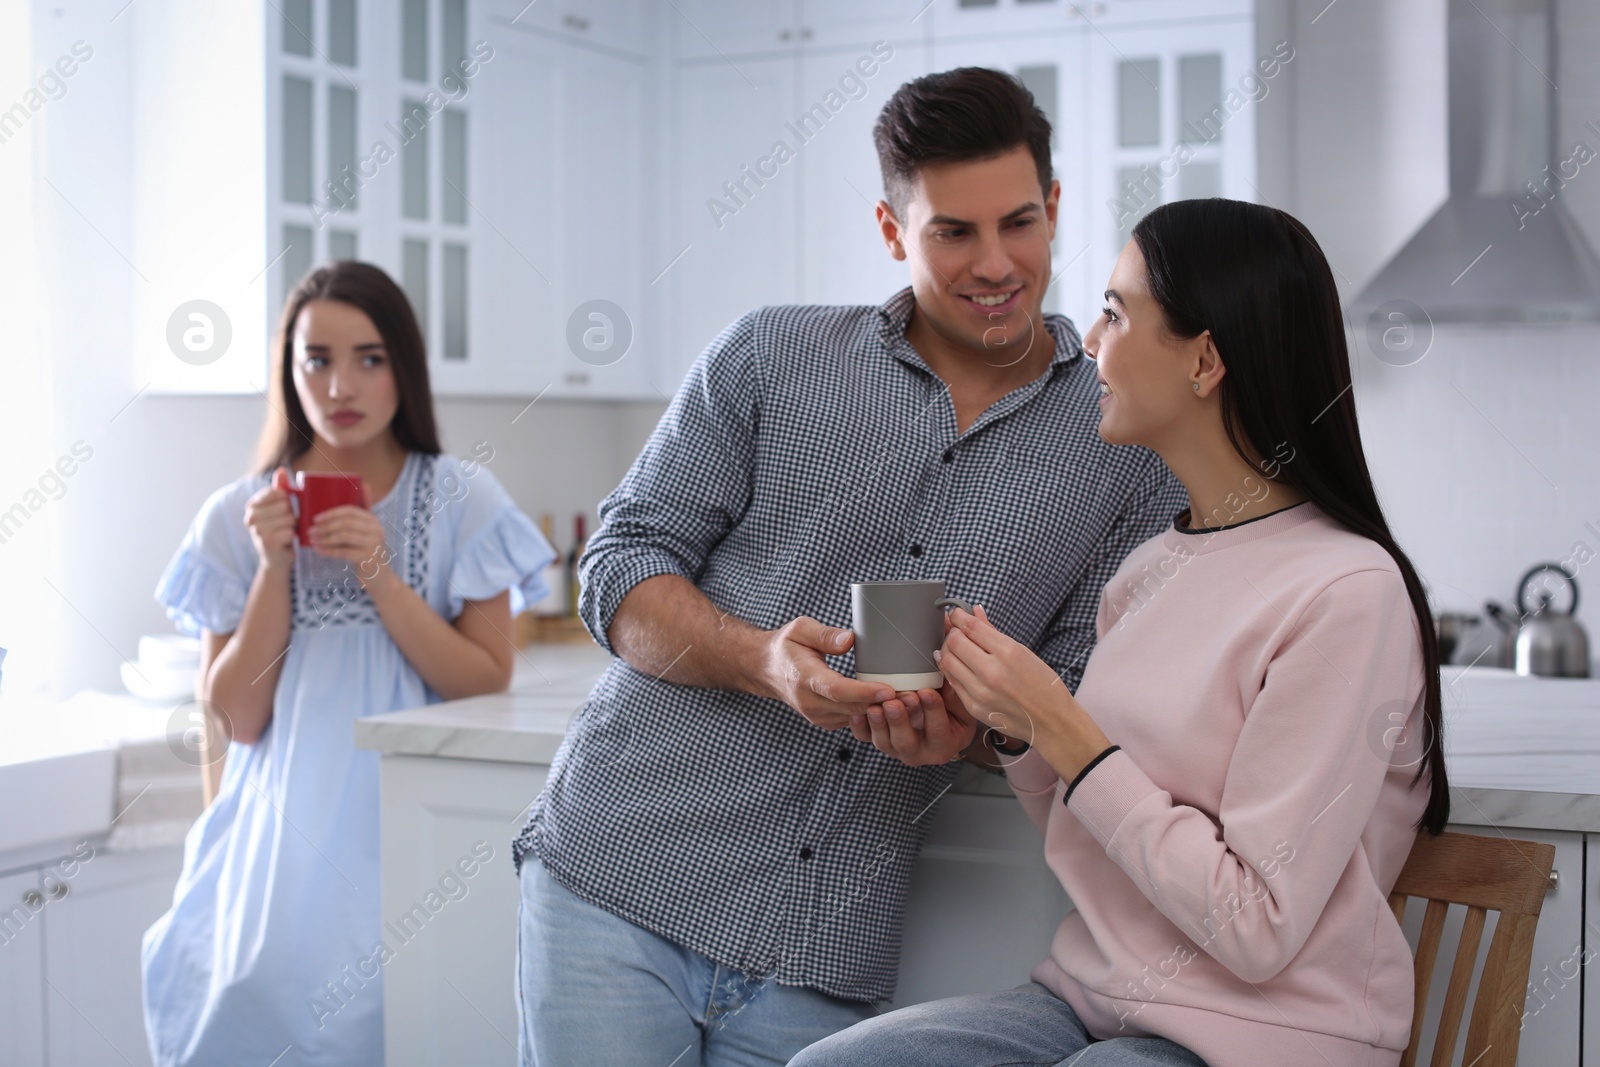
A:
(1146, 375)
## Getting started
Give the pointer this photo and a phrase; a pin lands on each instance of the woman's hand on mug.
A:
(1005, 685)
(355, 535)
(1001, 680)
(269, 517)
(918, 728)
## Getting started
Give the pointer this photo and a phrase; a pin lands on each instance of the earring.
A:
(1197, 387)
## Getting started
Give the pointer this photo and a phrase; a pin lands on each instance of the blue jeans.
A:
(1027, 1025)
(596, 989)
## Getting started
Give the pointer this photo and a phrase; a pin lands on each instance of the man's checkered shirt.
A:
(808, 448)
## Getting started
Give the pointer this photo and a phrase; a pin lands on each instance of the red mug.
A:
(317, 492)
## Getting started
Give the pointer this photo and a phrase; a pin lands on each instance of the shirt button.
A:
(844, 755)
(949, 456)
(805, 852)
(916, 550)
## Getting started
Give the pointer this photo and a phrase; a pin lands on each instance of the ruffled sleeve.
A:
(207, 580)
(497, 547)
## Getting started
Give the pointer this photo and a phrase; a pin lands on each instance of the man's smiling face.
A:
(977, 236)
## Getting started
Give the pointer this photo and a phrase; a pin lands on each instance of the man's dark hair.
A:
(956, 116)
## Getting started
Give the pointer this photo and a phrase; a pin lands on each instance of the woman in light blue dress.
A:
(273, 950)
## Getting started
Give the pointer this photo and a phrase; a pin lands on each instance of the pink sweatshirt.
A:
(1231, 864)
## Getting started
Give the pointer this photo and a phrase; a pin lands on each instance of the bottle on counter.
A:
(579, 541)
(555, 573)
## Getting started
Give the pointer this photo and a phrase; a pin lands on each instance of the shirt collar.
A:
(896, 315)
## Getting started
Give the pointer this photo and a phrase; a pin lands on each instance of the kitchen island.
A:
(458, 779)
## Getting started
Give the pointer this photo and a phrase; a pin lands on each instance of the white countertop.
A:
(98, 765)
(525, 724)
(1522, 752)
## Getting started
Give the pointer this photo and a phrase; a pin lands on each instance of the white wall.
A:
(1485, 451)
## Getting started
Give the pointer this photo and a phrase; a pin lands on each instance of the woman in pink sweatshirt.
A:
(1231, 793)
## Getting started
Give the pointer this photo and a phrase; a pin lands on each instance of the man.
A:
(717, 869)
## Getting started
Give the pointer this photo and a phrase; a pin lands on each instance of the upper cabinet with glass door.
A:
(1171, 116)
(374, 106)
(491, 160)
(310, 131)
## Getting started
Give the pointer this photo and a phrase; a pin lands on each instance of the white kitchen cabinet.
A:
(456, 967)
(983, 861)
(564, 181)
(1552, 1017)
(853, 24)
(733, 229)
(521, 276)
(22, 904)
(843, 259)
(94, 927)
(70, 936)
(980, 18)
(324, 129)
(336, 129)
(716, 29)
(775, 178)
(611, 24)
(976, 18)
(1591, 930)
(1167, 120)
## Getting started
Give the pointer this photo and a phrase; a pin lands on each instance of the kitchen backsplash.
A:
(1486, 454)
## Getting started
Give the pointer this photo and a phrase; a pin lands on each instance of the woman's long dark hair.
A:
(1256, 278)
(287, 435)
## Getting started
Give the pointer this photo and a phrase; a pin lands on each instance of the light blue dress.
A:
(272, 952)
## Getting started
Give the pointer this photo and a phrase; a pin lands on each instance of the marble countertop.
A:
(113, 767)
(1522, 752)
(525, 724)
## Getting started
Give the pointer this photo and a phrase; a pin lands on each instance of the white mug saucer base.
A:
(906, 683)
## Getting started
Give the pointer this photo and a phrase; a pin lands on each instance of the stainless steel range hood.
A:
(1502, 248)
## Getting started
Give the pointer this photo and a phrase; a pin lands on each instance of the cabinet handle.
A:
(573, 22)
(784, 35)
(59, 891)
(805, 33)
(1555, 880)
(33, 899)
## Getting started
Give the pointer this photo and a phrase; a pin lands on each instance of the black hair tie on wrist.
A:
(995, 737)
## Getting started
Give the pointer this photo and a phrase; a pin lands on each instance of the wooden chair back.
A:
(1485, 874)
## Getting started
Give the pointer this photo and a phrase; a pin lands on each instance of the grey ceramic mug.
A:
(898, 628)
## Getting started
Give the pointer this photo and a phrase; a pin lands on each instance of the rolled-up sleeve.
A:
(690, 485)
